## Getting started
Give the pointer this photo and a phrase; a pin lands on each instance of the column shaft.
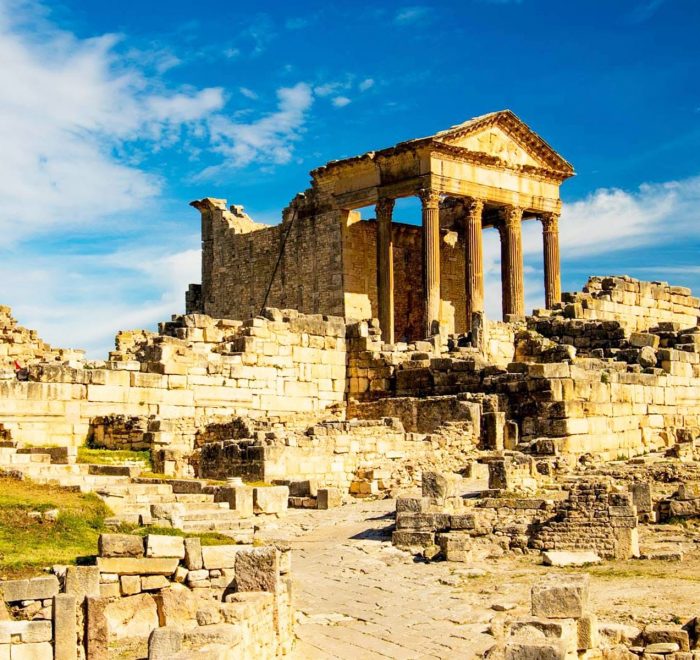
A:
(474, 258)
(431, 259)
(552, 267)
(512, 262)
(385, 268)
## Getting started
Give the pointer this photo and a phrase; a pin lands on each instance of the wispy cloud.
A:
(341, 101)
(644, 10)
(366, 84)
(269, 139)
(248, 93)
(407, 15)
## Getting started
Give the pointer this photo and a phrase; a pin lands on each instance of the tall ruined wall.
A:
(360, 277)
(238, 263)
(200, 370)
(637, 305)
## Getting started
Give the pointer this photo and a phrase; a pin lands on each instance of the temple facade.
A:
(323, 258)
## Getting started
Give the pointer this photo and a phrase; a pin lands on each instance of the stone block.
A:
(193, 554)
(689, 490)
(221, 556)
(28, 632)
(96, 630)
(82, 582)
(239, 498)
(329, 498)
(39, 651)
(154, 583)
(563, 631)
(641, 496)
(271, 499)
(110, 590)
(137, 565)
(120, 545)
(303, 488)
(455, 546)
(439, 485)
(587, 632)
(30, 589)
(165, 546)
(257, 569)
(177, 606)
(659, 634)
(535, 651)
(164, 642)
(493, 430)
(131, 617)
(413, 504)
(560, 597)
(130, 584)
(228, 635)
(406, 539)
(65, 632)
(640, 339)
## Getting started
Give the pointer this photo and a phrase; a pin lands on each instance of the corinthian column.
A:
(552, 268)
(474, 258)
(431, 259)
(512, 262)
(385, 268)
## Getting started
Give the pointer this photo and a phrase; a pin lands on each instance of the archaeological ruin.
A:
(331, 364)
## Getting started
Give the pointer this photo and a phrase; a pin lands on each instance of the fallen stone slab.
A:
(271, 499)
(661, 648)
(28, 632)
(535, 651)
(562, 558)
(31, 589)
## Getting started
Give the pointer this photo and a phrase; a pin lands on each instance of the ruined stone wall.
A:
(376, 452)
(239, 262)
(23, 346)
(158, 597)
(199, 371)
(637, 305)
(360, 277)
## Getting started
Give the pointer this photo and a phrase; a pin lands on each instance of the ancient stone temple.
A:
(491, 171)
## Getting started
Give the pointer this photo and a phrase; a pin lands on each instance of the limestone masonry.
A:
(332, 358)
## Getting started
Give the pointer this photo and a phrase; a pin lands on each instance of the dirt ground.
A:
(359, 597)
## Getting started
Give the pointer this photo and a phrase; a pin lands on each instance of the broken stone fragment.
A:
(559, 596)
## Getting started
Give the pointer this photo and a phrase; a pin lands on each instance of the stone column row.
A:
(512, 282)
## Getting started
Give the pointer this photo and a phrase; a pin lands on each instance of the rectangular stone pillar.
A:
(65, 633)
(431, 259)
(512, 262)
(385, 269)
(474, 258)
(552, 268)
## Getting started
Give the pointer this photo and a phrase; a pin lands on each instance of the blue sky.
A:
(113, 116)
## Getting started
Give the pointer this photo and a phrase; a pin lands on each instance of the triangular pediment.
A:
(504, 136)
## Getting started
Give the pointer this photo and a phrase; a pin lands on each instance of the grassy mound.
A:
(31, 540)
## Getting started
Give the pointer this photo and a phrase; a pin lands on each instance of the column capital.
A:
(429, 197)
(511, 215)
(385, 206)
(550, 222)
(473, 206)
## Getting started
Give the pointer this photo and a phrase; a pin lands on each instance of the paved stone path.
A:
(358, 597)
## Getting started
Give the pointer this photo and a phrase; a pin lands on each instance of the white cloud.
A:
(67, 105)
(248, 93)
(269, 139)
(366, 84)
(408, 15)
(341, 101)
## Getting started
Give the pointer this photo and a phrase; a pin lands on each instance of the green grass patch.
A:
(114, 457)
(30, 544)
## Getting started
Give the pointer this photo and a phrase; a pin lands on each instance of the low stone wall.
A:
(339, 454)
(637, 305)
(196, 372)
(162, 596)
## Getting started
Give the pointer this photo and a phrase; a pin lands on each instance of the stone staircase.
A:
(188, 505)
